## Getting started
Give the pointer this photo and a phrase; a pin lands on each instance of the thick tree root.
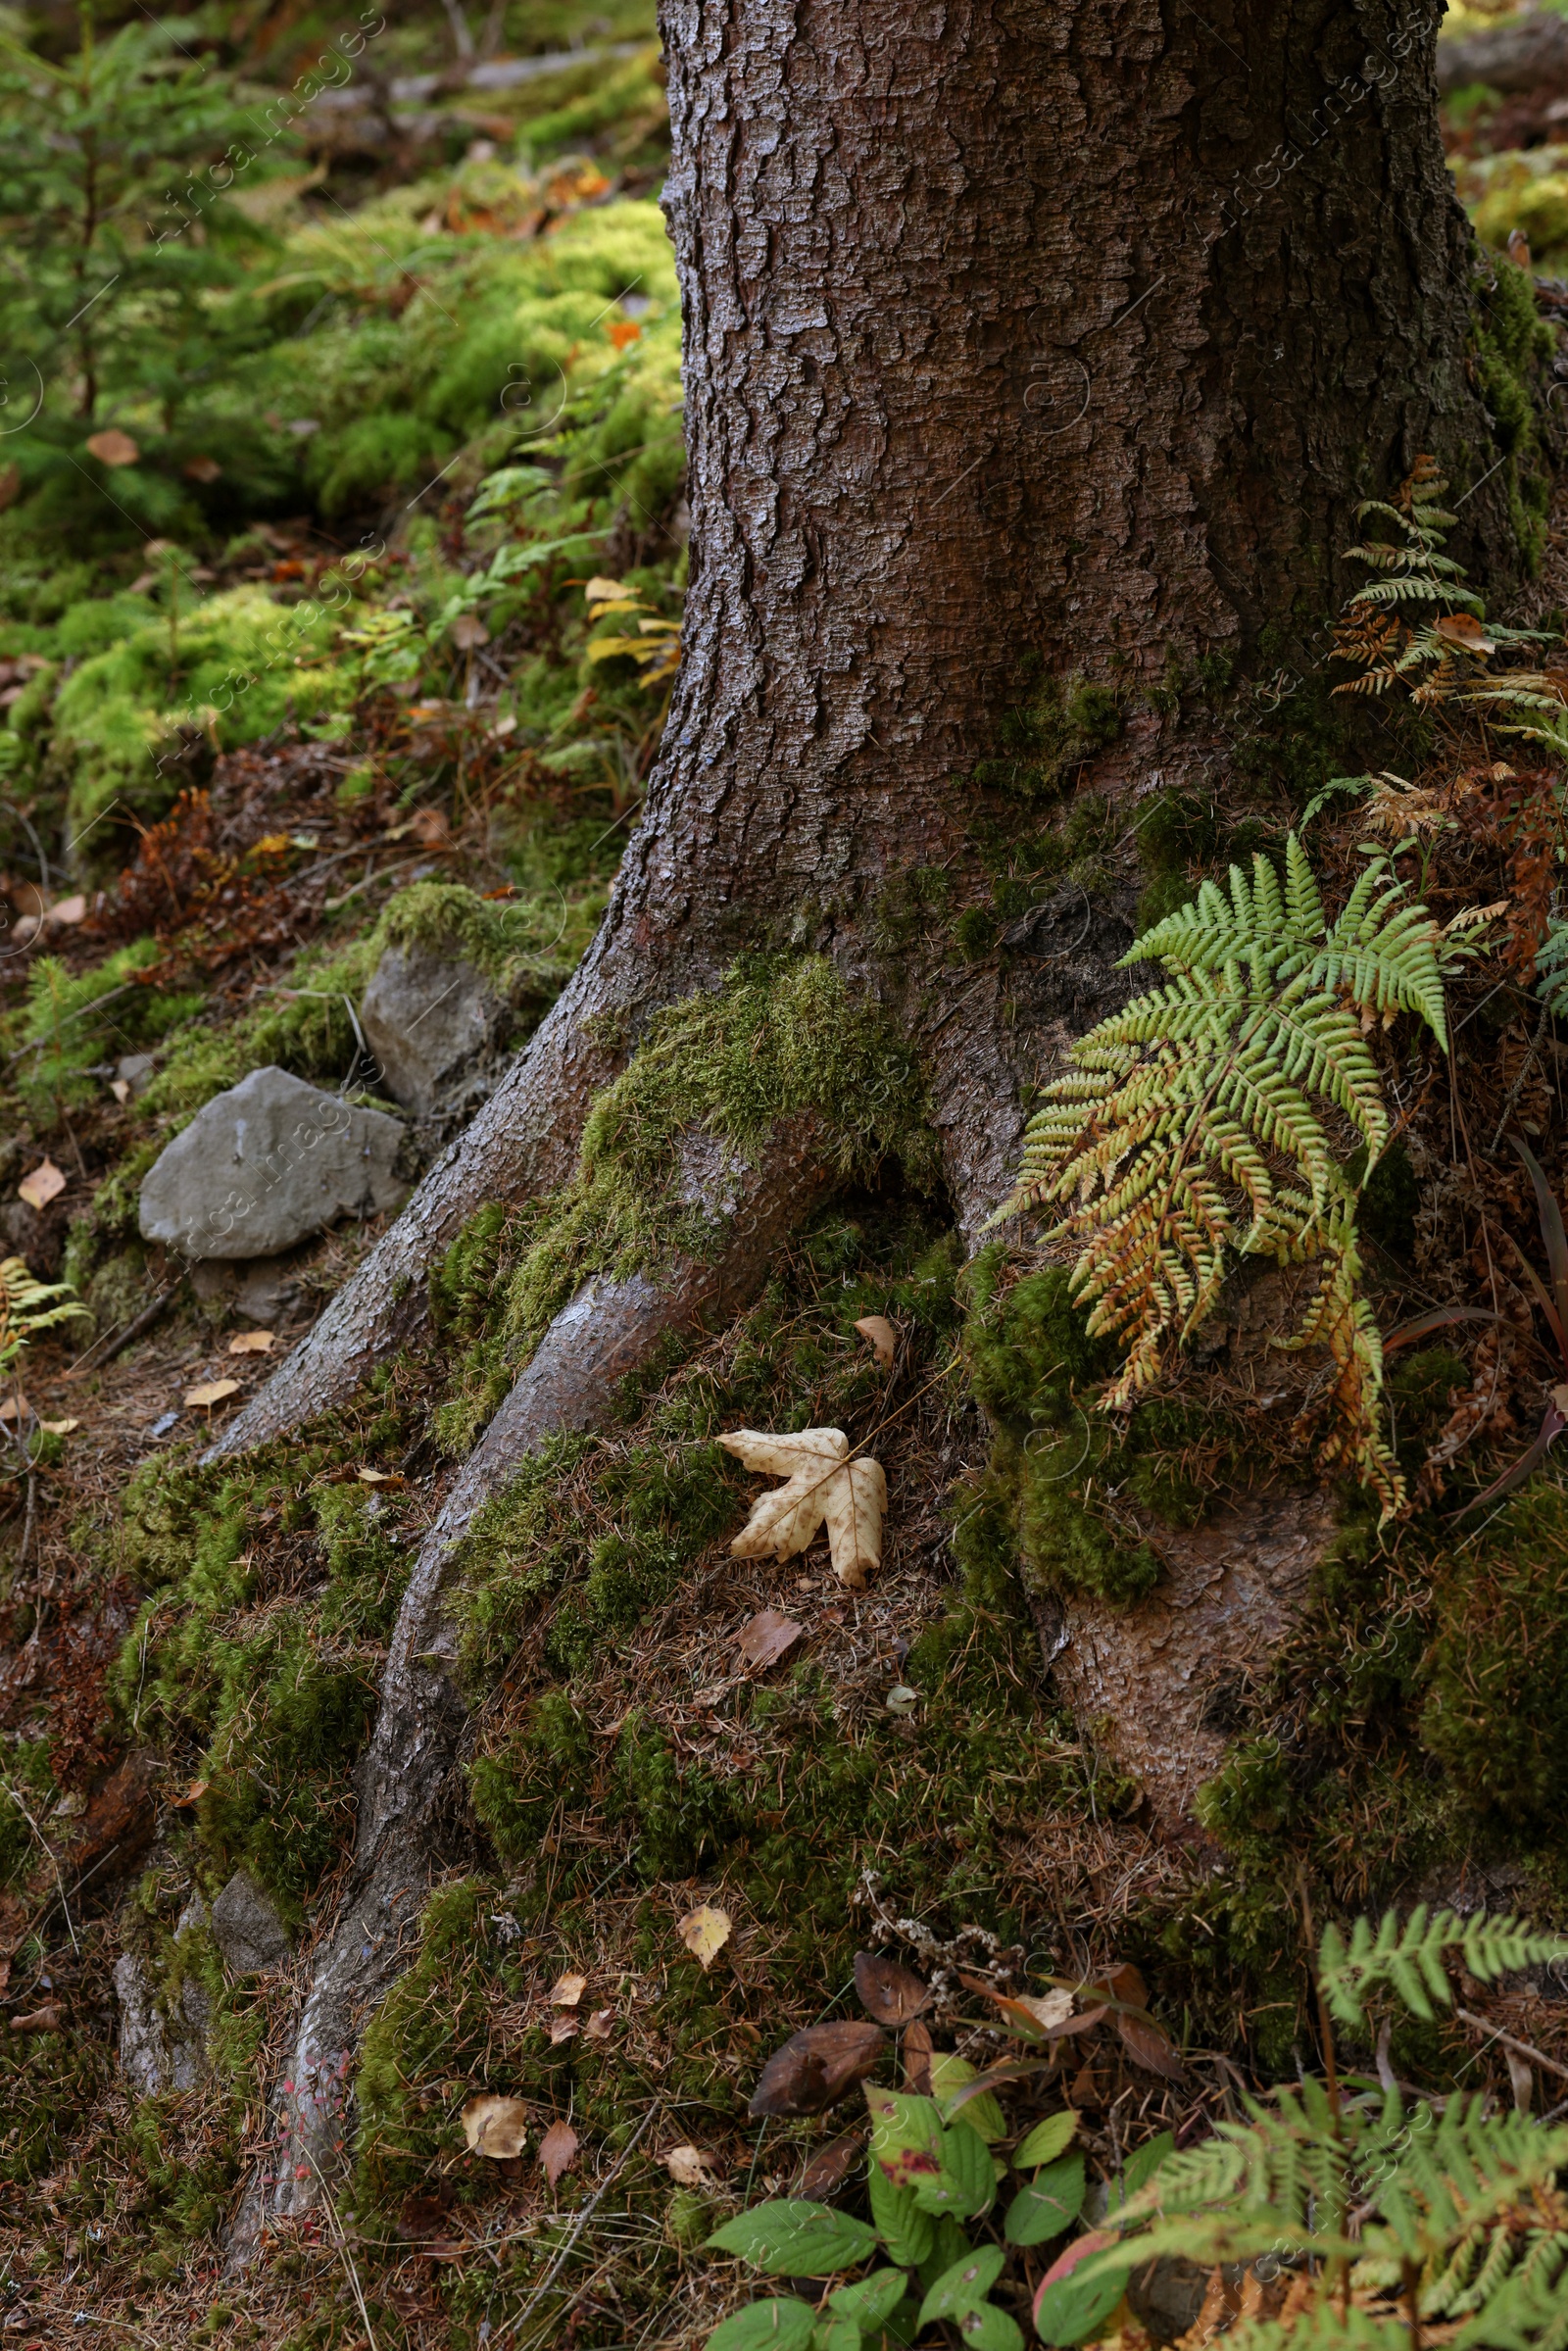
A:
(412, 1812)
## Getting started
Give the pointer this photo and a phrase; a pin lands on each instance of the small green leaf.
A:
(836, 2334)
(950, 2244)
(766, 2326)
(1046, 2141)
(1073, 2296)
(792, 2238)
(1139, 2169)
(905, 2133)
(965, 2180)
(1050, 2202)
(908, 2233)
(964, 2286)
(982, 2113)
(871, 2299)
(988, 2328)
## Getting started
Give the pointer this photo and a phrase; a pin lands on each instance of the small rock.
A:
(424, 1015)
(265, 1165)
(152, 2059)
(247, 1930)
(133, 1071)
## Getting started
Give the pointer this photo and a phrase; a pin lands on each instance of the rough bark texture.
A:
(411, 1817)
(1013, 328)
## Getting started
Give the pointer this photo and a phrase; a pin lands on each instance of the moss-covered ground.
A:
(311, 675)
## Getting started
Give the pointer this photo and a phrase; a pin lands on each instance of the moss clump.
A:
(777, 1038)
(1055, 725)
(1494, 1712)
(1511, 342)
(521, 945)
(256, 1654)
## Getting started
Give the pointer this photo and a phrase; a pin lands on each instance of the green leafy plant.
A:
(28, 1306)
(1364, 2217)
(1197, 1123)
(951, 2215)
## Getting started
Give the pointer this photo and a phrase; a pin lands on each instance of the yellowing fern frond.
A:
(28, 1306)
(1191, 1124)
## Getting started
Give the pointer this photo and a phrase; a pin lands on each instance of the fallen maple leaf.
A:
(568, 1991)
(689, 2166)
(824, 1483)
(705, 1932)
(882, 1336)
(211, 1391)
(558, 2150)
(765, 1638)
(250, 1342)
(46, 1183)
(496, 2127)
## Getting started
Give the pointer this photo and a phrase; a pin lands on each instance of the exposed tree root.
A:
(411, 1810)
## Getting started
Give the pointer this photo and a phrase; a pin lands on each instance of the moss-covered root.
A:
(748, 1203)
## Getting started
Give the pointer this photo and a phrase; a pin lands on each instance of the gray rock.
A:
(135, 1072)
(266, 1164)
(424, 1017)
(247, 1930)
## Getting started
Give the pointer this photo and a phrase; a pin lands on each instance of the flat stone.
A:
(425, 1015)
(265, 1165)
(247, 1930)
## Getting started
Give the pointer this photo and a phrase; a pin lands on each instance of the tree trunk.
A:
(1028, 347)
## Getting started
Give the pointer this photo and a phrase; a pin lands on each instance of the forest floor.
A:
(480, 343)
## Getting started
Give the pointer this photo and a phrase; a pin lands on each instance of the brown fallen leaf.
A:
(823, 1484)
(830, 2166)
(1145, 2041)
(690, 2167)
(765, 1638)
(918, 2052)
(815, 2068)
(558, 2150)
(495, 2126)
(705, 1932)
(568, 1991)
(188, 1796)
(421, 2218)
(15, 1408)
(564, 2028)
(891, 1993)
(883, 1337)
(600, 2025)
(212, 1391)
(112, 447)
(205, 470)
(1036, 2016)
(39, 2020)
(250, 1342)
(44, 1184)
(5, 1976)
(1464, 630)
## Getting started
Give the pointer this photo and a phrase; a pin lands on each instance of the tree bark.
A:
(1067, 331)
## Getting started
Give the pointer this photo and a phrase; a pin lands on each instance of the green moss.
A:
(1511, 342)
(1049, 732)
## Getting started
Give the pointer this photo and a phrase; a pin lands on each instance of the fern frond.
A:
(1190, 1125)
(1529, 2311)
(28, 1306)
(1409, 1958)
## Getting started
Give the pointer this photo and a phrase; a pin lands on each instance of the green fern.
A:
(1409, 1958)
(1194, 1123)
(28, 1306)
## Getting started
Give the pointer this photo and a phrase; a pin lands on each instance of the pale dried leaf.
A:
(250, 1342)
(67, 911)
(211, 1391)
(59, 1428)
(705, 1932)
(600, 2025)
(568, 1991)
(468, 631)
(689, 2166)
(565, 2027)
(496, 2127)
(598, 589)
(44, 1184)
(823, 1484)
(114, 448)
(39, 2020)
(15, 1408)
(558, 2150)
(882, 1336)
(766, 1636)
(377, 1477)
